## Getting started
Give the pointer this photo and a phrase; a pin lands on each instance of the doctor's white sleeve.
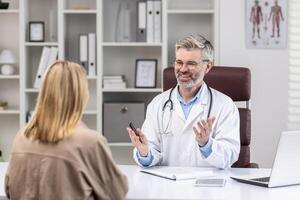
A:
(226, 137)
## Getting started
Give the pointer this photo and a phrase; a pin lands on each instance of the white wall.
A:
(269, 70)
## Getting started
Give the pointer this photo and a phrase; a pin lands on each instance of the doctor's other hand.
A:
(139, 141)
(203, 130)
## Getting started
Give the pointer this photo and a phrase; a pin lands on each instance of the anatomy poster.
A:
(266, 23)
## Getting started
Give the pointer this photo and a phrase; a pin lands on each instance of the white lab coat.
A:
(179, 147)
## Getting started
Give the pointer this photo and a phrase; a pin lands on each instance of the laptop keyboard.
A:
(263, 179)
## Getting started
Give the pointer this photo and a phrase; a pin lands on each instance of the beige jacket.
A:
(78, 167)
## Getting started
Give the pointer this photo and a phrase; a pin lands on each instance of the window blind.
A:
(294, 65)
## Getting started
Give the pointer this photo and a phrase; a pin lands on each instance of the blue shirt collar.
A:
(195, 99)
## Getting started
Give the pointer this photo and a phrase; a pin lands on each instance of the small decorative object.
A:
(123, 31)
(145, 73)
(36, 31)
(7, 58)
(3, 105)
(3, 5)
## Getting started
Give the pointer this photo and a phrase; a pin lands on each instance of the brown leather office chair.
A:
(235, 82)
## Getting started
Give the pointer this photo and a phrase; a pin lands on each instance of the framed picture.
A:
(36, 31)
(266, 24)
(145, 73)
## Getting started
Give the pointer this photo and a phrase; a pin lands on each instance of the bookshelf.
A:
(64, 21)
(10, 84)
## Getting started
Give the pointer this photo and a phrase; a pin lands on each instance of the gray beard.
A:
(189, 84)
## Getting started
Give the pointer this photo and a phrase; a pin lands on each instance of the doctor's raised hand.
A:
(139, 141)
(203, 130)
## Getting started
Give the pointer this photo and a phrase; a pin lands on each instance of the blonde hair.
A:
(60, 103)
(197, 41)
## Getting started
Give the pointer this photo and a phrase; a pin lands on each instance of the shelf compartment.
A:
(9, 27)
(32, 57)
(9, 129)
(9, 91)
(76, 25)
(45, 11)
(125, 64)
(110, 28)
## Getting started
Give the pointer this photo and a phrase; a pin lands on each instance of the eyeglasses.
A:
(189, 64)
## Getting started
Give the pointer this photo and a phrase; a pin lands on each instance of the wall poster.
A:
(266, 24)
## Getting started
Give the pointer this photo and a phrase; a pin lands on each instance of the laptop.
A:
(286, 165)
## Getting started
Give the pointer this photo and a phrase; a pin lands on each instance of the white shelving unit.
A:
(64, 21)
(10, 84)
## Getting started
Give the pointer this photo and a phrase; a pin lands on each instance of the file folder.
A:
(42, 67)
(92, 54)
(83, 51)
(150, 21)
(52, 57)
(157, 21)
(142, 13)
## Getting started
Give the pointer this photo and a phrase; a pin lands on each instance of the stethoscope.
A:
(169, 104)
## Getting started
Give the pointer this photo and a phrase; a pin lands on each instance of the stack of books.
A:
(114, 82)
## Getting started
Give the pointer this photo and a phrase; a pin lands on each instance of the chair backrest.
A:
(235, 82)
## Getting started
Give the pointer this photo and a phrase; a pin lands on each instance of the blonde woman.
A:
(56, 156)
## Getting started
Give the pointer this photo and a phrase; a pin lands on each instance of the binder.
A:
(42, 67)
(83, 51)
(92, 54)
(52, 57)
(150, 22)
(157, 21)
(141, 32)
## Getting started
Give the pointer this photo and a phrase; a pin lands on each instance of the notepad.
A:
(178, 173)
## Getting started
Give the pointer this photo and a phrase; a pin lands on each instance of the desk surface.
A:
(144, 186)
(3, 167)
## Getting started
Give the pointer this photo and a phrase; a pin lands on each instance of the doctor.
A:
(191, 124)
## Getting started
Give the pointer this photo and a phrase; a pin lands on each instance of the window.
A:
(294, 65)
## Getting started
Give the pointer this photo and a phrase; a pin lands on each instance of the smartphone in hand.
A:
(133, 128)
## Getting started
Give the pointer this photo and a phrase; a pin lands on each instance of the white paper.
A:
(145, 75)
(178, 173)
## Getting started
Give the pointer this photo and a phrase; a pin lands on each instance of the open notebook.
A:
(178, 173)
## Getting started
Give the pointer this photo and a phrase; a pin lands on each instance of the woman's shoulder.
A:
(85, 134)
